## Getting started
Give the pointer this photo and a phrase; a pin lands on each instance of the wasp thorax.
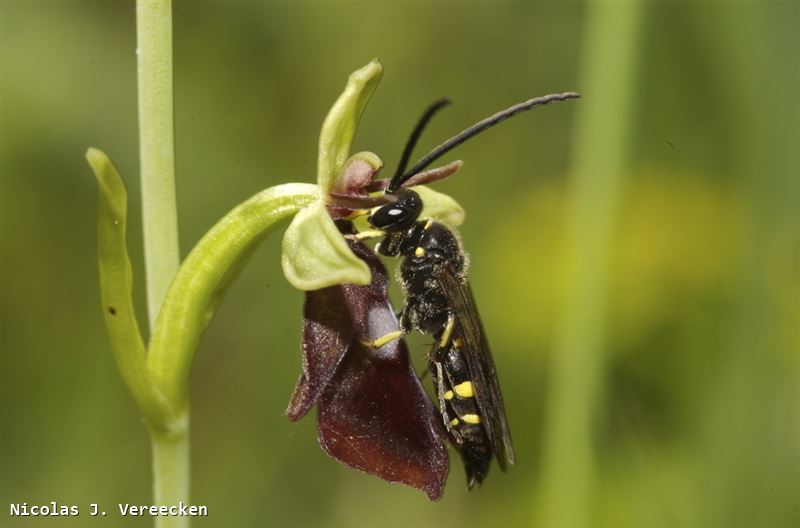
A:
(399, 214)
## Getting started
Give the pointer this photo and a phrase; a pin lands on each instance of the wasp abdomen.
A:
(460, 410)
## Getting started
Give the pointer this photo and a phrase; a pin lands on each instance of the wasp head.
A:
(398, 215)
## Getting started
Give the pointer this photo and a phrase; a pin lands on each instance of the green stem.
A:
(159, 214)
(157, 149)
(171, 471)
(608, 77)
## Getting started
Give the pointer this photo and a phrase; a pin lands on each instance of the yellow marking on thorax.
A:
(458, 342)
(419, 252)
(471, 419)
(428, 223)
(464, 390)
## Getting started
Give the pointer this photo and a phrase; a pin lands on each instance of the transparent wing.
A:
(469, 328)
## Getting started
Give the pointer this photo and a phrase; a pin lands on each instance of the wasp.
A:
(439, 300)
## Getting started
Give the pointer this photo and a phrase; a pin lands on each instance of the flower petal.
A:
(375, 416)
(373, 412)
(334, 318)
(358, 172)
(435, 174)
(327, 333)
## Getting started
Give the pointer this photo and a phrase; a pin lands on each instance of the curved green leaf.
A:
(116, 287)
(204, 277)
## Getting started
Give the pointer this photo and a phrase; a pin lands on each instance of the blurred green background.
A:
(645, 319)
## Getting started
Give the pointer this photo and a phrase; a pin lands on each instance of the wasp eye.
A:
(398, 215)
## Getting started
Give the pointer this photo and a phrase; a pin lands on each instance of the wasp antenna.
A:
(412, 141)
(476, 129)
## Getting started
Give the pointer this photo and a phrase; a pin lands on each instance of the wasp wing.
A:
(469, 328)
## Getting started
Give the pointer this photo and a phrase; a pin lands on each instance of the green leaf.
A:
(315, 254)
(204, 277)
(116, 288)
(340, 125)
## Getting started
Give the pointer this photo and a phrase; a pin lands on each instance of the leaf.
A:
(116, 289)
(204, 278)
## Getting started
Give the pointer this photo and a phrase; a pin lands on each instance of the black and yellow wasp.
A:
(439, 301)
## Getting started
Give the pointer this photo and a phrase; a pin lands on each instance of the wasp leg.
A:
(379, 342)
(444, 340)
(404, 319)
(440, 390)
(366, 235)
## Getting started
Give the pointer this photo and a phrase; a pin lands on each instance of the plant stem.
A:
(157, 149)
(170, 472)
(607, 80)
(160, 218)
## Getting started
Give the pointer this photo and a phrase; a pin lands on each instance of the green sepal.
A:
(339, 128)
(440, 206)
(315, 254)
